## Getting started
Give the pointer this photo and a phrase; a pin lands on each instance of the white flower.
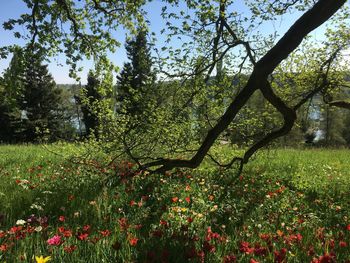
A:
(20, 222)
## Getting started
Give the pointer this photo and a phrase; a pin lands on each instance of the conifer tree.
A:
(137, 77)
(40, 102)
(90, 96)
(11, 89)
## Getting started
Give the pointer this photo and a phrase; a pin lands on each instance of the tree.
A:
(90, 96)
(137, 78)
(214, 33)
(10, 93)
(40, 102)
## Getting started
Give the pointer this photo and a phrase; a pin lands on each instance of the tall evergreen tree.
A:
(137, 77)
(10, 94)
(90, 96)
(41, 101)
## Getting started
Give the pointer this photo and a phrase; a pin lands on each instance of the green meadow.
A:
(286, 206)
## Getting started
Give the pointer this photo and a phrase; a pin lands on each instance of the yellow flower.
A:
(41, 259)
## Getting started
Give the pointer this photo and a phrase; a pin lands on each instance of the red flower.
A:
(65, 232)
(260, 251)
(123, 223)
(3, 247)
(252, 260)
(70, 249)
(132, 202)
(265, 237)
(245, 247)
(326, 258)
(86, 228)
(188, 199)
(163, 222)
(208, 247)
(190, 220)
(133, 241)
(61, 219)
(348, 227)
(82, 236)
(280, 255)
(343, 244)
(105, 233)
(174, 199)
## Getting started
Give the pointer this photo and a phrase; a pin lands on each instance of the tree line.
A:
(34, 109)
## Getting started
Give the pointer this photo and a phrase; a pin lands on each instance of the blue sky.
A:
(14, 8)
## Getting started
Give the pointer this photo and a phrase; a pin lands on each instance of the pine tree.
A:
(137, 77)
(40, 102)
(90, 96)
(11, 89)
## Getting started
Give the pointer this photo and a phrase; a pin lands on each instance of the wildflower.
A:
(245, 247)
(20, 222)
(3, 247)
(208, 247)
(343, 244)
(252, 260)
(86, 228)
(2, 234)
(65, 232)
(133, 241)
(70, 249)
(280, 255)
(174, 199)
(265, 237)
(279, 233)
(188, 199)
(105, 233)
(15, 229)
(163, 222)
(260, 251)
(54, 241)
(41, 259)
(82, 236)
(61, 219)
(123, 223)
(326, 258)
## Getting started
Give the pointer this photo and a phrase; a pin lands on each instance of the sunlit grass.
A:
(290, 205)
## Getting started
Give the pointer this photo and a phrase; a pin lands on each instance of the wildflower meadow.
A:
(286, 206)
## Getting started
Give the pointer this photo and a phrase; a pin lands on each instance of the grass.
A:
(287, 206)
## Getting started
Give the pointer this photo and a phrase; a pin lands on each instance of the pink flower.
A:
(54, 241)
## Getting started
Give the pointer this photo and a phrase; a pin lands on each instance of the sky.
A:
(14, 8)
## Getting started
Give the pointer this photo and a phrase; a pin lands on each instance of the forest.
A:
(222, 135)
